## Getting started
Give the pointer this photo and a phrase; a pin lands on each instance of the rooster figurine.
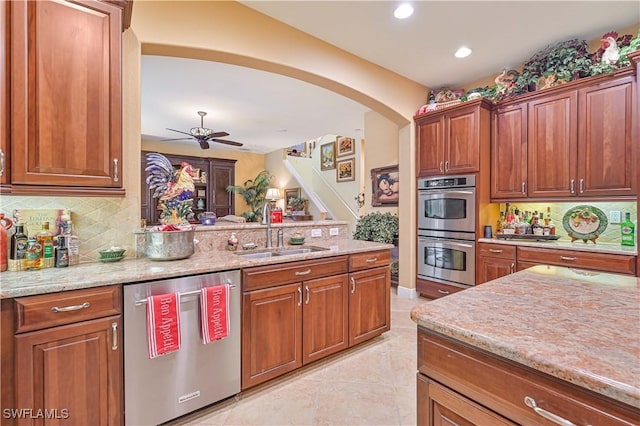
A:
(173, 189)
(611, 52)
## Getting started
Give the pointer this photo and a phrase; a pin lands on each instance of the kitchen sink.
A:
(280, 252)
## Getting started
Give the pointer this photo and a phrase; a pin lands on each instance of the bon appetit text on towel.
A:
(163, 324)
(214, 311)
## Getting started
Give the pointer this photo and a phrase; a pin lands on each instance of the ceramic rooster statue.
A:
(174, 189)
(611, 52)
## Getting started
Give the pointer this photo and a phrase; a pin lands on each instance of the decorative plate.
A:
(584, 222)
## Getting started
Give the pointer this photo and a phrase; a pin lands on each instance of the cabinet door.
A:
(222, 175)
(462, 141)
(509, 152)
(325, 317)
(66, 94)
(552, 146)
(606, 163)
(369, 304)
(271, 333)
(75, 369)
(5, 112)
(430, 143)
(490, 268)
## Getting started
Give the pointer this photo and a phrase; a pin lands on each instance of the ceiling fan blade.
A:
(179, 131)
(218, 134)
(203, 144)
(226, 142)
(177, 139)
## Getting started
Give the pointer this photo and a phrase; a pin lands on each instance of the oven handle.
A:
(444, 242)
(445, 192)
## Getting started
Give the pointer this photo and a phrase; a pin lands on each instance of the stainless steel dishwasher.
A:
(163, 388)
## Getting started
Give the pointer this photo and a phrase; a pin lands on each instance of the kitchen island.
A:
(565, 341)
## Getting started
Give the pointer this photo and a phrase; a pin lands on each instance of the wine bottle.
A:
(627, 231)
(18, 252)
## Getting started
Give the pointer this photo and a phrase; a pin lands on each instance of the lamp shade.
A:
(273, 194)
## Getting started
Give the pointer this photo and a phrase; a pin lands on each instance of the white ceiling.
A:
(267, 111)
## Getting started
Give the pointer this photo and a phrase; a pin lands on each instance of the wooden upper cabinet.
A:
(606, 156)
(509, 152)
(449, 142)
(4, 94)
(552, 143)
(66, 94)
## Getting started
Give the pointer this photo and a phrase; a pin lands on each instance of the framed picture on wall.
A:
(345, 170)
(328, 156)
(346, 146)
(385, 183)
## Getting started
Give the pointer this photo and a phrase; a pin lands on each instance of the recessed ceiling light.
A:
(403, 11)
(462, 52)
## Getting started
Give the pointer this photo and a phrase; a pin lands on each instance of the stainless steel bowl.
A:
(169, 245)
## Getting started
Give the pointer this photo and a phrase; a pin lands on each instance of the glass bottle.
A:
(552, 226)
(73, 244)
(18, 252)
(45, 240)
(536, 227)
(627, 231)
(33, 255)
(62, 251)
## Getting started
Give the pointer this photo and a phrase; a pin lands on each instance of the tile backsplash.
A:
(611, 234)
(99, 222)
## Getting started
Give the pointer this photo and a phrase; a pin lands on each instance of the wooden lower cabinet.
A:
(369, 304)
(73, 372)
(460, 384)
(494, 261)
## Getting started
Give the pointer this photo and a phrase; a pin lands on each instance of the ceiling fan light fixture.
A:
(403, 11)
(462, 52)
(200, 131)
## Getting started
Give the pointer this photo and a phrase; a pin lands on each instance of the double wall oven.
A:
(446, 229)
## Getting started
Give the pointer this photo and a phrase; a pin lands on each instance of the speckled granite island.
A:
(547, 341)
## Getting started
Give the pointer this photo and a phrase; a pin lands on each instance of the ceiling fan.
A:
(204, 135)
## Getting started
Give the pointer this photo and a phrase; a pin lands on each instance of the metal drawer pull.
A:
(307, 272)
(524, 188)
(371, 260)
(572, 186)
(513, 268)
(306, 287)
(85, 305)
(440, 167)
(443, 291)
(568, 258)
(531, 403)
(114, 336)
(115, 170)
(581, 186)
(446, 166)
(299, 296)
(495, 251)
(1, 162)
(353, 285)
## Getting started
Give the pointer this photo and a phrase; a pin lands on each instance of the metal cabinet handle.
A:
(531, 403)
(307, 272)
(443, 291)
(115, 170)
(1, 162)
(114, 336)
(441, 166)
(299, 296)
(446, 166)
(568, 258)
(581, 186)
(512, 269)
(353, 285)
(495, 251)
(371, 260)
(572, 186)
(85, 305)
(523, 188)
(306, 287)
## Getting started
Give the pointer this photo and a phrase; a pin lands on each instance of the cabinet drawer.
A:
(271, 275)
(369, 260)
(623, 264)
(502, 251)
(48, 310)
(434, 290)
(502, 385)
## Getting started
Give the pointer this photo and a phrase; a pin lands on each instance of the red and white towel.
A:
(214, 312)
(163, 324)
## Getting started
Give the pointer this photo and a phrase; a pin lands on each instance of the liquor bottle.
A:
(627, 231)
(18, 253)
(33, 255)
(62, 251)
(73, 244)
(536, 227)
(45, 240)
(500, 223)
(552, 226)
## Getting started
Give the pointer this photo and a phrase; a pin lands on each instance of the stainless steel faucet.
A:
(266, 220)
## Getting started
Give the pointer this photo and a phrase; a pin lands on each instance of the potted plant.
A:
(298, 205)
(253, 192)
(378, 227)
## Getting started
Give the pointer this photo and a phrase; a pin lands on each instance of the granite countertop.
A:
(86, 275)
(566, 244)
(579, 326)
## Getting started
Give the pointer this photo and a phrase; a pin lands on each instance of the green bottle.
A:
(627, 230)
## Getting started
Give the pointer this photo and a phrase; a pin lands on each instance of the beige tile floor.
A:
(371, 384)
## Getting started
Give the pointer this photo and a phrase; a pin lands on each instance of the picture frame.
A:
(289, 193)
(345, 170)
(202, 193)
(299, 150)
(328, 156)
(385, 186)
(346, 146)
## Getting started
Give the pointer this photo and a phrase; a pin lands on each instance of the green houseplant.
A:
(253, 192)
(378, 227)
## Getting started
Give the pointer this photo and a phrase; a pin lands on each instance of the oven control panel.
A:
(447, 182)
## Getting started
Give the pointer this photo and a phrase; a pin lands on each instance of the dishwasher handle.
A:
(182, 294)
